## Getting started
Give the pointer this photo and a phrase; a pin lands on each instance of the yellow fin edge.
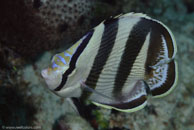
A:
(127, 110)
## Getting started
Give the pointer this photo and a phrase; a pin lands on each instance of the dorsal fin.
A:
(161, 69)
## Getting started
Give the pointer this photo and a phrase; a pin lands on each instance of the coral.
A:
(33, 26)
(30, 27)
(58, 12)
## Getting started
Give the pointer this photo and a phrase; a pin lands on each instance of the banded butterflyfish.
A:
(117, 64)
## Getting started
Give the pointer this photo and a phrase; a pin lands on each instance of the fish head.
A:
(53, 76)
(60, 79)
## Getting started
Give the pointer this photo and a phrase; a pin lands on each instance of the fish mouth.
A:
(50, 79)
(44, 73)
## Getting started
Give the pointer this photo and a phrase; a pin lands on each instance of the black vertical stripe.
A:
(74, 58)
(155, 46)
(154, 50)
(133, 46)
(106, 46)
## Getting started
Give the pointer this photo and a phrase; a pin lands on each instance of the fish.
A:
(118, 64)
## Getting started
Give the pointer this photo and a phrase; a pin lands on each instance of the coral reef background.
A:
(32, 31)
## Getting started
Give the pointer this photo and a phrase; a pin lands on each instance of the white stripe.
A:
(86, 60)
(125, 25)
(138, 69)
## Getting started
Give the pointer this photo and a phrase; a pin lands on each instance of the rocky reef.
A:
(31, 31)
(30, 27)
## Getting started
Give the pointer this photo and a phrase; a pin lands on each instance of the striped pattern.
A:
(118, 63)
(106, 45)
(75, 56)
(100, 81)
(134, 43)
(106, 82)
(129, 65)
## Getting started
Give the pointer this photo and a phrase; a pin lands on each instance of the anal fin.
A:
(131, 101)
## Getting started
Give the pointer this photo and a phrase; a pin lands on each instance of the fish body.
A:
(117, 64)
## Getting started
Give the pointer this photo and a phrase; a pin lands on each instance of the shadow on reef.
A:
(16, 108)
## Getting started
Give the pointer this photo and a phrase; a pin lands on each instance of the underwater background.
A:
(32, 31)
